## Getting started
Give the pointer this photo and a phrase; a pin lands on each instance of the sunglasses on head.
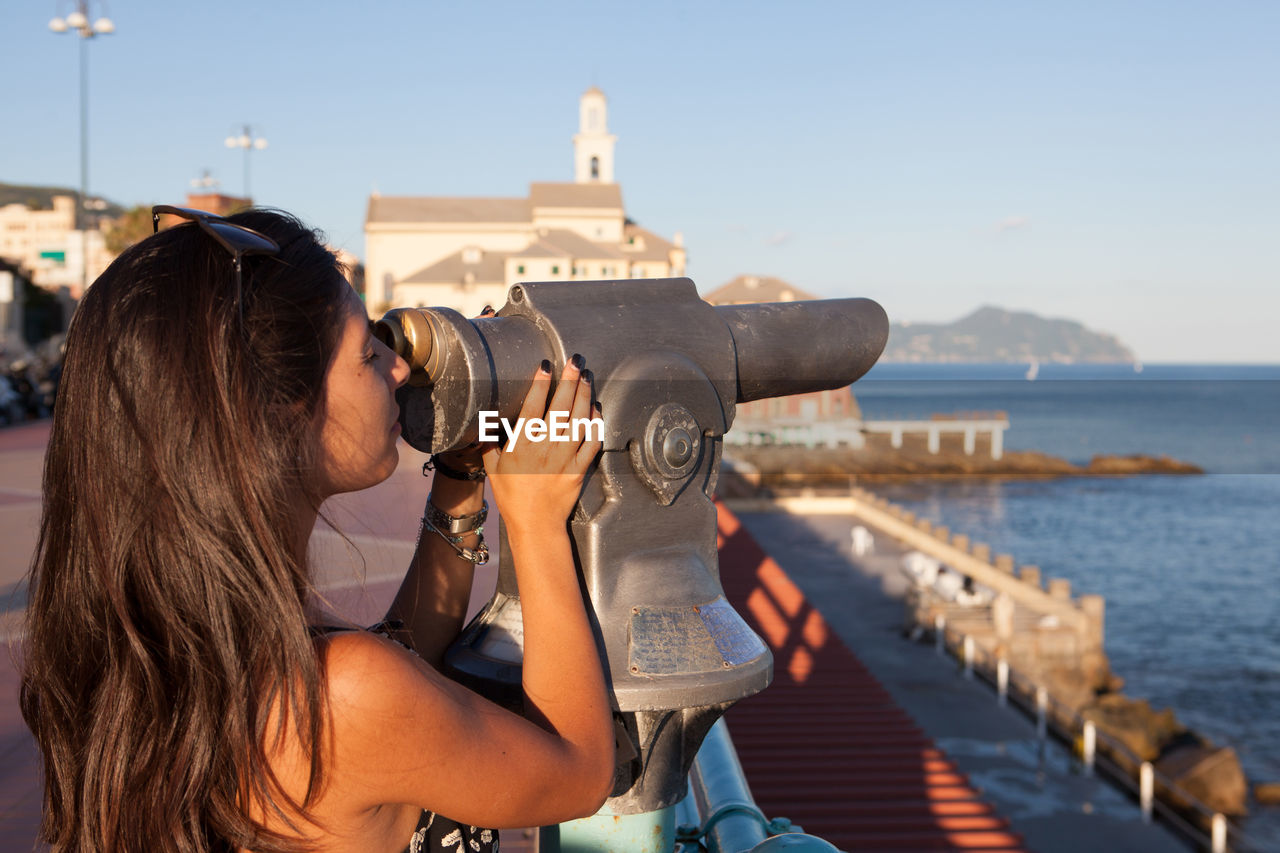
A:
(236, 239)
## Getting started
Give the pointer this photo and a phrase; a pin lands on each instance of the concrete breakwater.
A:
(1043, 645)
(797, 466)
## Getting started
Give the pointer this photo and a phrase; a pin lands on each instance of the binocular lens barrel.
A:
(416, 337)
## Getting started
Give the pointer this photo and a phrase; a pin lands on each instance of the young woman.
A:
(220, 383)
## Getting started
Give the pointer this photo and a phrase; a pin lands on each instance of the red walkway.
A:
(825, 745)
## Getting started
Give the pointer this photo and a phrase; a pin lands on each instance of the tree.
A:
(128, 228)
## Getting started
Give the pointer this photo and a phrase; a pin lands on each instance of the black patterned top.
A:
(435, 834)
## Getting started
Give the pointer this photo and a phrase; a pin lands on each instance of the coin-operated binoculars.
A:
(669, 371)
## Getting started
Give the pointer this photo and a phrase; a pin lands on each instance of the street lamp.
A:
(78, 21)
(206, 181)
(247, 140)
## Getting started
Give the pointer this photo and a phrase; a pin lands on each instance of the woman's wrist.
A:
(456, 497)
(534, 536)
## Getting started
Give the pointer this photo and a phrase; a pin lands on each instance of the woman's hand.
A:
(537, 483)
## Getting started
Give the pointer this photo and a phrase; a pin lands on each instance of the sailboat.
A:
(1033, 369)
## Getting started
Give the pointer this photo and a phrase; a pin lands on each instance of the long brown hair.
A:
(167, 617)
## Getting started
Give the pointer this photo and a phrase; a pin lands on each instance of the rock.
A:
(1095, 669)
(1267, 793)
(1209, 773)
(1069, 687)
(1140, 464)
(1143, 732)
(794, 467)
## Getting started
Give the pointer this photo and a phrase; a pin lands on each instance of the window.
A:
(555, 269)
(595, 168)
(520, 269)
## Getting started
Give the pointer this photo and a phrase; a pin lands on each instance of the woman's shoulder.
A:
(365, 667)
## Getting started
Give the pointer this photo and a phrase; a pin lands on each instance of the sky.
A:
(1116, 163)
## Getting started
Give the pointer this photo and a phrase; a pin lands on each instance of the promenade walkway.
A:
(826, 745)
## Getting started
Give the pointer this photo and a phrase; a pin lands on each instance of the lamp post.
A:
(247, 140)
(78, 22)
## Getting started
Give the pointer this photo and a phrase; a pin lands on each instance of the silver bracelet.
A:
(456, 524)
(477, 556)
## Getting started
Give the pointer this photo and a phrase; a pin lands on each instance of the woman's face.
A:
(359, 418)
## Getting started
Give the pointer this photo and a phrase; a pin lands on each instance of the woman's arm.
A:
(432, 600)
(537, 486)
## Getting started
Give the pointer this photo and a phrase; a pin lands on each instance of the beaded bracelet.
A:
(477, 556)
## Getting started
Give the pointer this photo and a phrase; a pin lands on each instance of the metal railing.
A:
(1181, 811)
(719, 815)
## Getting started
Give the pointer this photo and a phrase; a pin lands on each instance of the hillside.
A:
(995, 335)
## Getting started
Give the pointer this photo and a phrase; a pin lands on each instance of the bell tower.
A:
(593, 144)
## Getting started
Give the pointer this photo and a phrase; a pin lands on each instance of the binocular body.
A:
(669, 370)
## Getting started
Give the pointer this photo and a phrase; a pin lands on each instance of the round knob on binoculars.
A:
(417, 337)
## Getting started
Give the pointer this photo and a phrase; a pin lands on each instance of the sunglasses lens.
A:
(236, 239)
(240, 240)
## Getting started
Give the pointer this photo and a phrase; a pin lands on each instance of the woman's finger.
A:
(592, 444)
(535, 400)
(581, 405)
(567, 387)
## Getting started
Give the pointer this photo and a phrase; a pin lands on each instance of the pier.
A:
(1036, 649)
(967, 424)
(853, 432)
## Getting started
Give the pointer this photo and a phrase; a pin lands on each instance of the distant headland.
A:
(993, 334)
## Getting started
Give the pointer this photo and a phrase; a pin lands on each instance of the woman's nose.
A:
(399, 371)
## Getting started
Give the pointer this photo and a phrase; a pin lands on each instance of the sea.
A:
(1189, 565)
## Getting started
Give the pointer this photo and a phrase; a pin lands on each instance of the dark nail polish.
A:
(488, 309)
(588, 376)
(546, 366)
(578, 361)
(599, 408)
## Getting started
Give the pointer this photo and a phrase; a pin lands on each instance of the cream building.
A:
(47, 244)
(465, 252)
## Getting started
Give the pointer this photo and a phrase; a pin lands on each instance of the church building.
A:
(464, 253)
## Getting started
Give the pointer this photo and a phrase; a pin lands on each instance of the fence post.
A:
(1218, 833)
(1146, 789)
(940, 634)
(1042, 713)
(1002, 682)
(968, 657)
(1088, 746)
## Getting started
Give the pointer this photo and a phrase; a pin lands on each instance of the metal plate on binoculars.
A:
(689, 640)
